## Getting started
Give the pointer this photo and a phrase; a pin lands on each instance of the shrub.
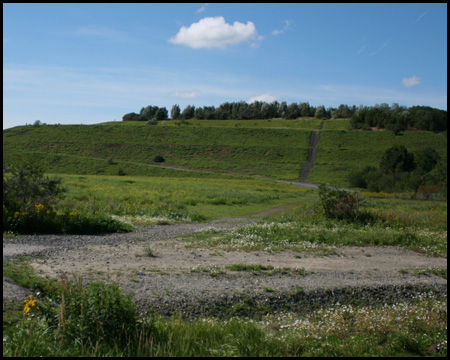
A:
(397, 159)
(42, 220)
(341, 204)
(152, 121)
(26, 186)
(158, 159)
(28, 198)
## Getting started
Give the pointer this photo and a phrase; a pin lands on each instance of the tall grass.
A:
(413, 328)
(177, 199)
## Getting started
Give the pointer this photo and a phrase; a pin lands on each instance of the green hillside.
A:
(342, 151)
(273, 149)
(102, 149)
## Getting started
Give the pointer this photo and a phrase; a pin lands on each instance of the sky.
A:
(92, 63)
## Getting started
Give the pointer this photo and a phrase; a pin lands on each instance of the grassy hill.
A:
(273, 149)
(102, 149)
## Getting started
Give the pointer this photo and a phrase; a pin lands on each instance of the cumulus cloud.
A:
(213, 32)
(264, 97)
(412, 81)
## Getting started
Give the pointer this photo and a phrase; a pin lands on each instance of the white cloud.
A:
(264, 97)
(185, 94)
(287, 25)
(102, 32)
(203, 8)
(215, 32)
(412, 81)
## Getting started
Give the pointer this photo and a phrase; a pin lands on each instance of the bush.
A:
(28, 198)
(26, 186)
(397, 159)
(158, 159)
(342, 205)
(41, 220)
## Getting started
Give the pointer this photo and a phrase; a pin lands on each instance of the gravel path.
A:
(165, 283)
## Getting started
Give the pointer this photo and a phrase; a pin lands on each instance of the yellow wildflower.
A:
(30, 305)
(39, 207)
(16, 214)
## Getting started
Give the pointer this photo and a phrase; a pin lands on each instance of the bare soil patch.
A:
(166, 282)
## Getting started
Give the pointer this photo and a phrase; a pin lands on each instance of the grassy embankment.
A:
(247, 150)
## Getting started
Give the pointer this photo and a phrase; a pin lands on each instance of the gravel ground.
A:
(165, 283)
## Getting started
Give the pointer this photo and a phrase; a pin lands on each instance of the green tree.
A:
(161, 114)
(397, 159)
(175, 112)
(188, 112)
(320, 113)
(426, 159)
(131, 117)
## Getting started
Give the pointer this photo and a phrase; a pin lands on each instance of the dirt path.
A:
(166, 282)
(312, 153)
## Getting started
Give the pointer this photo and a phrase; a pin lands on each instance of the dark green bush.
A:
(158, 159)
(341, 204)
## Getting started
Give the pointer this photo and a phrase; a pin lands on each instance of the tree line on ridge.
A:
(395, 117)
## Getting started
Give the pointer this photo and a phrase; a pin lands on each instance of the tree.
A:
(292, 111)
(161, 114)
(397, 159)
(130, 117)
(320, 113)
(175, 112)
(305, 110)
(426, 159)
(148, 112)
(198, 113)
(188, 112)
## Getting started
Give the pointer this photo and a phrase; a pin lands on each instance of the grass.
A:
(104, 149)
(274, 148)
(417, 327)
(234, 165)
(410, 328)
(159, 200)
(304, 229)
(340, 152)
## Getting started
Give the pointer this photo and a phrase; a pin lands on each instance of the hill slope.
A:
(270, 149)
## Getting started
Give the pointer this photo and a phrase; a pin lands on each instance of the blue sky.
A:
(90, 63)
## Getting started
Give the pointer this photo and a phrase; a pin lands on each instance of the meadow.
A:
(216, 169)
(144, 200)
(413, 327)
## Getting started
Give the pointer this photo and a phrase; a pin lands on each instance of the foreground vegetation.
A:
(130, 187)
(100, 321)
(72, 319)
